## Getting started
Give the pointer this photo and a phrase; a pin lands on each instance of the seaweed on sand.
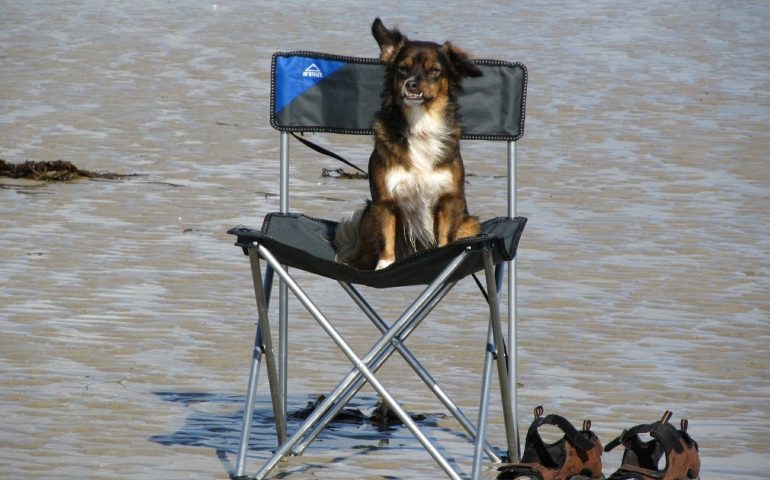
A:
(340, 173)
(58, 170)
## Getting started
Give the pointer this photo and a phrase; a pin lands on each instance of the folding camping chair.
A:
(315, 92)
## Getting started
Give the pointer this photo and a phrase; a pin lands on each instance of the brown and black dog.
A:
(416, 174)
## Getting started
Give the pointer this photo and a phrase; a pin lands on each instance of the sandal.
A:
(640, 460)
(577, 455)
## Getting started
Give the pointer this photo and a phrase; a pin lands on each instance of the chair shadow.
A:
(214, 422)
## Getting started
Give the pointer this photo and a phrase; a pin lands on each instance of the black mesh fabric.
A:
(306, 243)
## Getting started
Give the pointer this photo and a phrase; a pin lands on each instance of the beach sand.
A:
(127, 315)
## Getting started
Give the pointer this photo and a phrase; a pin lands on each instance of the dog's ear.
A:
(390, 41)
(461, 61)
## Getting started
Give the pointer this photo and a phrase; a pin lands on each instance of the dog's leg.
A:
(447, 217)
(443, 226)
(385, 221)
(469, 227)
(452, 221)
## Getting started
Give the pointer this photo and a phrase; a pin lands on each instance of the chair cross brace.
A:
(365, 367)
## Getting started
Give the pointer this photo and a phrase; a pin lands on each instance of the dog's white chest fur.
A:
(417, 188)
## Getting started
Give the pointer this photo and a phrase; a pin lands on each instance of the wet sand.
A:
(127, 315)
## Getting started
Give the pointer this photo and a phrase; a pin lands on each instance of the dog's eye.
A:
(403, 71)
(434, 72)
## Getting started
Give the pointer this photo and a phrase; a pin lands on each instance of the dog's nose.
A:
(412, 86)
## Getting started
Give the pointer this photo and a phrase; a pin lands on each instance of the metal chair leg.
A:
(364, 367)
(270, 363)
(502, 362)
(248, 407)
(251, 389)
(481, 426)
(495, 351)
(361, 363)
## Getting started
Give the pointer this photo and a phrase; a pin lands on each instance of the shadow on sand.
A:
(214, 422)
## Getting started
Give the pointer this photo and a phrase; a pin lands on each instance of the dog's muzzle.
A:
(411, 92)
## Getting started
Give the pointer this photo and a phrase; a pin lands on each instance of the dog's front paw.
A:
(382, 264)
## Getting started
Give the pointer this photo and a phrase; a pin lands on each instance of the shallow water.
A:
(127, 315)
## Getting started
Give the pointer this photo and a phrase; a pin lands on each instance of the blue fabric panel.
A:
(294, 75)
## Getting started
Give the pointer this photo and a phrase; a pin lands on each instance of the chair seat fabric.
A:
(307, 243)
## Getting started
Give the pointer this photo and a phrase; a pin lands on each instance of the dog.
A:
(416, 173)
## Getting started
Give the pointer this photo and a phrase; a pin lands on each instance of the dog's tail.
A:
(347, 237)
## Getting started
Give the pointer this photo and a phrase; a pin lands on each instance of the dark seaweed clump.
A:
(56, 171)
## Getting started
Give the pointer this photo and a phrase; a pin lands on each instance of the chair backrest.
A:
(318, 92)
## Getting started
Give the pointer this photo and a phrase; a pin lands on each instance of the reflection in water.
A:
(215, 422)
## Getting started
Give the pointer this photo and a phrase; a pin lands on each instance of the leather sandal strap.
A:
(570, 432)
(627, 435)
(614, 442)
(668, 436)
(663, 432)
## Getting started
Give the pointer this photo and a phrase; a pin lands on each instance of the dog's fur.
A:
(416, 174)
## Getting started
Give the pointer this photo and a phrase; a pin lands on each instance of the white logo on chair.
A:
(313, 71)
